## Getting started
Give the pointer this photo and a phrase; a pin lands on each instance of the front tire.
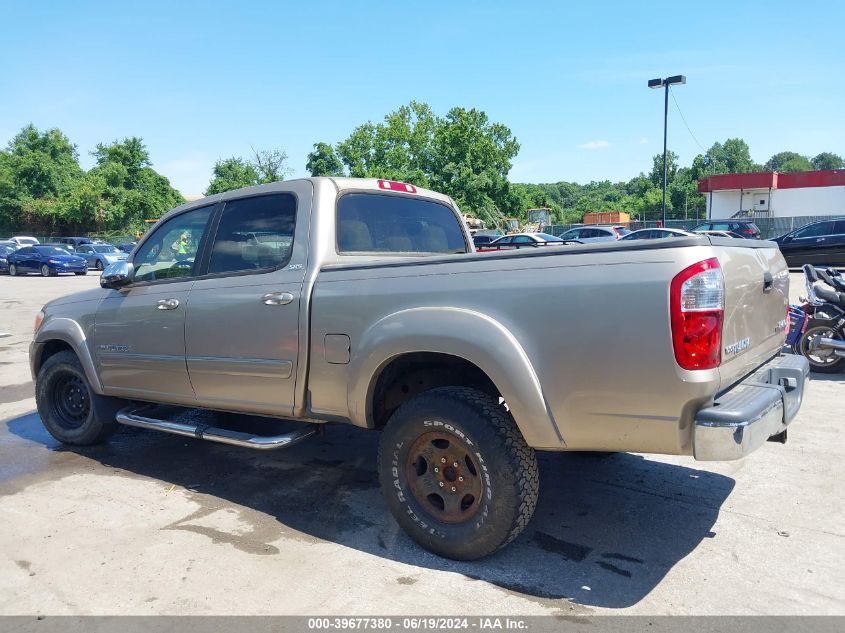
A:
(13, 270)
(99, 265)
(456, 472)
(45, 271)
(70, 410)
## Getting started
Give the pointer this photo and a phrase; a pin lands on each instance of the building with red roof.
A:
(774, 195)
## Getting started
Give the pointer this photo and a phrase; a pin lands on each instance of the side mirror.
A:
(786, 238)
(117, 275)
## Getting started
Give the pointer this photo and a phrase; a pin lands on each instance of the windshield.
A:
(5, 250)
(108, 248)
(51, 250)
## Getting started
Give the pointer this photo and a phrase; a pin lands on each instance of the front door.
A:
(139, 334)
(242, 329)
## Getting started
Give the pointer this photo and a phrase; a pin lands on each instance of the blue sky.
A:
(201, 81)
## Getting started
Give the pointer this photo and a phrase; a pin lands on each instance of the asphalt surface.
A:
(150, 523)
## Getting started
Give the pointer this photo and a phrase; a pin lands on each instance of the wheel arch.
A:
(59, 334)
(471, 346)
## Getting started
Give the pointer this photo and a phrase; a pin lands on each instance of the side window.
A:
(839, 227)
(26, 251)
(723, 226)
(254, 234)
(384, 223)
(170, 252)
(523, 239)
(505, 240)
(83, 249)
(814, 230)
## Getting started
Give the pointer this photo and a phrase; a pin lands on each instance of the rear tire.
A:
(821, 361)
(70, 410)
(13, 270)
(99, 265)
(456, 472)
(45, 271)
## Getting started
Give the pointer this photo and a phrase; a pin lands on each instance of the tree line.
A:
(43, 188)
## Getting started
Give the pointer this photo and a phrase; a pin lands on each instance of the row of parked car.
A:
(21, 255)
(817, 243)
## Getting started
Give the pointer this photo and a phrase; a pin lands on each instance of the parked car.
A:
(520, 240)
(24, 240)
(47, 260)
(127, 247)
(588, 234)
(721, 234)
(373, 311)
(100, 255)
(74, 242)
(655, 234)
(5, 251)
(482, 240)
(820, 244)
(743, 228)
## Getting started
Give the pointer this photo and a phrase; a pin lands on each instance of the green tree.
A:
(828, 160)
(231, 173)
(462, 154)
(730, 157)
(788, 161)
(265, 167)
(323, 161)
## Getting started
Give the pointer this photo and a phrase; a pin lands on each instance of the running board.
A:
(131, 416)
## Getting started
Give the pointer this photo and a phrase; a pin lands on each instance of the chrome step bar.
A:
(131, 416)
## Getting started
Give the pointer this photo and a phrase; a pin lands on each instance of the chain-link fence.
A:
(769, 227)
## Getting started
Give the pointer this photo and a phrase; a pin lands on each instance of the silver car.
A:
(588, 234)
(100, 255)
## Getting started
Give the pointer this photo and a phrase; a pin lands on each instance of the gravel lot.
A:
(152, 523)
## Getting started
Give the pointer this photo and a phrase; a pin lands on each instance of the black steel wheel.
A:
(70, 410)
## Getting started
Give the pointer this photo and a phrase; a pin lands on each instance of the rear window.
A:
(378, 223)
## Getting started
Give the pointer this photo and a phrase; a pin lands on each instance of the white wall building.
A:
(770, 194)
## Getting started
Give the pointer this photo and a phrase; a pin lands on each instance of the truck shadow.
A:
(605, 533)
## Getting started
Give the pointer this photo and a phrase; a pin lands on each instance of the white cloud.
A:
(643, 140)
(594, 145)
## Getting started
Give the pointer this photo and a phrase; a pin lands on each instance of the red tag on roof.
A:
(392, 185)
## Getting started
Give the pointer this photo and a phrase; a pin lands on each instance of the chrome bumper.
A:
(749, 413)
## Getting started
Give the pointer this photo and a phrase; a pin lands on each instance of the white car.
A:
(656, 234)
(24, 240)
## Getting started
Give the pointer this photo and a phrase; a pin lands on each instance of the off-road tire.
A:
(70, 410)
(508, 471)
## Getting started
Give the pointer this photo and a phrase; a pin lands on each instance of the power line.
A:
(672, 92)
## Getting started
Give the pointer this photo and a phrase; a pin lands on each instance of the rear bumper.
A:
(753, 410)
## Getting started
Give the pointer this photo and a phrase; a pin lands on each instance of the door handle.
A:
(167, 304)
(768, 282)
(277, 298)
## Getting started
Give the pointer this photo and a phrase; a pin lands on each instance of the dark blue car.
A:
(5, 251)
(47, 260)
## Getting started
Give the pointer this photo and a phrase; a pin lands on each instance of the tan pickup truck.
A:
(363, 302)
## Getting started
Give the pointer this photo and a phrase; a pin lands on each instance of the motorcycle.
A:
(817, 328)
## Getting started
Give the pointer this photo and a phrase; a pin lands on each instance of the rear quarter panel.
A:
(594, 323)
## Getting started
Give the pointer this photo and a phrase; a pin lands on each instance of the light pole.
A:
(665, 83)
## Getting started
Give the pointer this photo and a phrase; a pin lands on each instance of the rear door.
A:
(243, 318)
(756, 301)
(810, 244)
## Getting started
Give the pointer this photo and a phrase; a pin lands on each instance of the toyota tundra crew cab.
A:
(363, 302)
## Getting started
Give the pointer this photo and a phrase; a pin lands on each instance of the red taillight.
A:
(697, 307)
(393, 185)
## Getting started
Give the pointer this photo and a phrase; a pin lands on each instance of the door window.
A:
(522, 239)
(839, 227)
(254, 234)
(814, 230)
(171, 251)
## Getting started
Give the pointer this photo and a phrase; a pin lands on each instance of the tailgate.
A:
(756, 302)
